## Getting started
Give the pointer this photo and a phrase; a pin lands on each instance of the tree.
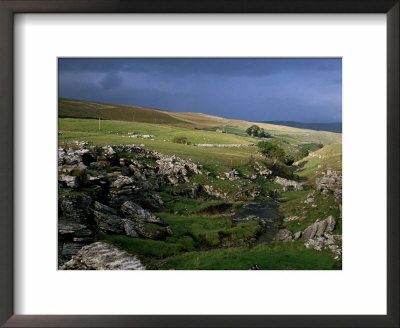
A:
(181, 139)
(272, 150)
(253, 130)
(256, 131)
(303, 152)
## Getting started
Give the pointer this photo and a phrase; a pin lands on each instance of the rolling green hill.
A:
(86, 109)
(70, 108)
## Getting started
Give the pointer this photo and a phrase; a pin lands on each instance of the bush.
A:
(279, 169)
(305, 150)
(181, 140)
(289, 159)
(272, 150)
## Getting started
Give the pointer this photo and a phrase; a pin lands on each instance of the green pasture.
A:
(273, 256)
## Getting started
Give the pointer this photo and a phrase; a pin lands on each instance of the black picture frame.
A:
(10, 7)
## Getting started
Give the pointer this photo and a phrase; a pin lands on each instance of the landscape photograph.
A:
(199, 164)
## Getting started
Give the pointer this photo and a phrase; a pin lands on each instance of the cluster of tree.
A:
(181, 140)
(256, 131)
(272, 150)
(305, 149)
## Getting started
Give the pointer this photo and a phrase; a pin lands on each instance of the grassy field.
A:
(116, 132)
(85, 109)
(323, 207)
(161, 132)
(196, 246)
(329, 156)
(273, 256)
(88, 109)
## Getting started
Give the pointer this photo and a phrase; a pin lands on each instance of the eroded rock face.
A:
(262, 170)
(253, 192)
(215, 192)
(122, 181)
(291, 218)
(104, 208)
(310, 198)
(297, 235)
(232, 175)
(102, 256)
(191, 192)
(153, 202)
(69, 181)
(129, 228)
(318, 236)
(99, 166)
(288, 184)
(135, 212)
(284, 235)
(123, 188)
(109, 223)
(318, 229)
(331, 181)
(327, 241)
(75, 207)
(68, 230)
(72, 237)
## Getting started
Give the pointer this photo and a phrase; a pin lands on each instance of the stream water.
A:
(263, 209)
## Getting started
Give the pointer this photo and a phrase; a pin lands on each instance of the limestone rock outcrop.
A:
(103, 256)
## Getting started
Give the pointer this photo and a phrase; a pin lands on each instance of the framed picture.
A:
(207, 150)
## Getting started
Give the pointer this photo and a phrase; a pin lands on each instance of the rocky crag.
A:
(112, 190)
(102, 256)
(319, 235)
(101, 191)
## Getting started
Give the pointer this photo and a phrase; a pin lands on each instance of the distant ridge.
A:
(74, 108)
(331, 127)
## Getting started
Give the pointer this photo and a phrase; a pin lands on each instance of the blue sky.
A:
(253, 89)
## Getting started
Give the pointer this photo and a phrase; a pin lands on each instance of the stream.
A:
(264, 209)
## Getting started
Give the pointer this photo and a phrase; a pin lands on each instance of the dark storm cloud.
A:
(111, 80)
(307, 90)
(182, 66)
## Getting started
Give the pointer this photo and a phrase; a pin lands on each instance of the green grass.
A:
(236, 130)
(185, 206)
(299, 136)
(209, 231)
(189, 233)
(273, 256)
(331, 158)
(144, 247)
(94, 110)
(161, 132)
(152, 228)
(292, 195)
(87, 130)
(232, 189)
(308, 214)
